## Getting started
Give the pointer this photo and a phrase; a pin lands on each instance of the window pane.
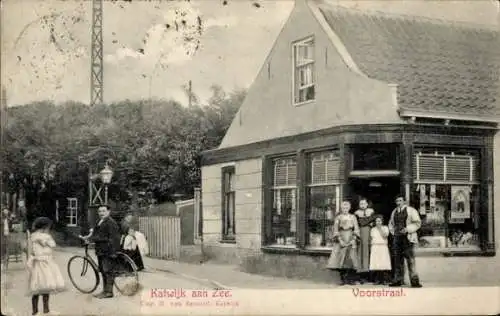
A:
(320, 214)
(458, 169)
(325, 167)
(304, 71)
(305, 52)
(284, 217)
(302, 95)
(310, 93)
(463, 218)
(318, 170)
(379, 157)
(228, 230)
(285, 172)
(305, 75)
(229, 213)
(292, 173)
(229, 181)
(434, 202)
(450, 217)
(430, 167)
(446, 165)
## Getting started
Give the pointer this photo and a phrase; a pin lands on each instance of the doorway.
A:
(380, 192)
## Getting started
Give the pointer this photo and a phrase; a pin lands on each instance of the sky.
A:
(153, 48)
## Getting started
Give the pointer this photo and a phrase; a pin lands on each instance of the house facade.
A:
(350, 104)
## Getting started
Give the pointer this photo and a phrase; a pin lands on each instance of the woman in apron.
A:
(344, 256)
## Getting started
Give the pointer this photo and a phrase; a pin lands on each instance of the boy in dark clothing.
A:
(106, 236)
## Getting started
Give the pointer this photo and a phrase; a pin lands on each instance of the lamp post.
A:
(106, 175)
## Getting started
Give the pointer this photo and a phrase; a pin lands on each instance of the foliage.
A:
(153, 146)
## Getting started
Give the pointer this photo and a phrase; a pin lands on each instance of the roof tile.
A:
(438, 66)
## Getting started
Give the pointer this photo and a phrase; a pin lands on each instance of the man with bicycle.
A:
(106, 236)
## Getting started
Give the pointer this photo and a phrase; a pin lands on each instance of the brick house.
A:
(351, 104)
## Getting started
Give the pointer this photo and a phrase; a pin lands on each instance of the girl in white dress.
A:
(380, 259)
(45, 278)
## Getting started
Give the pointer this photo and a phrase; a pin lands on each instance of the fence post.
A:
(198, 209)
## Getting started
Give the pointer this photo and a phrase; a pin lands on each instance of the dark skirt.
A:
(135, 255)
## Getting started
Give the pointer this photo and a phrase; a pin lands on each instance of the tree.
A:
(156, 144)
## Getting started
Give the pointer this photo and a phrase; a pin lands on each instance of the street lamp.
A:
(106, 175)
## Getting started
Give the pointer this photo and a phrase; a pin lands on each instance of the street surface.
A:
(15, 301)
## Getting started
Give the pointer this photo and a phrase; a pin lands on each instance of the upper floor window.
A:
(304, 76)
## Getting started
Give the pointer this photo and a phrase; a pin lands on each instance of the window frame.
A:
(308, 185)
(70, 209)
(296, 66)
(475, 183)
(225, 194)
(357, 148)
(273, 188)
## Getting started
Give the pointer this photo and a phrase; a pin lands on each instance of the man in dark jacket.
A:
(106, 236)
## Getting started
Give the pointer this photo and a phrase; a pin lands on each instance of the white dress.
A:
(380, 258)
(44, 274)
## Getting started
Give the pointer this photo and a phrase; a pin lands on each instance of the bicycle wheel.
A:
(126, 275)
(83, 273)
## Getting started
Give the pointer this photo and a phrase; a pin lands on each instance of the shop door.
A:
(380, 192)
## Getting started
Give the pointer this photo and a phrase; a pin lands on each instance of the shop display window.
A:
(446, 194)
(284, 211)
(322, 197)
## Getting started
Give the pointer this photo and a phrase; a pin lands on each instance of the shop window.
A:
(322, 197)
(228, 204)
(446, 193)
(72, 213)
(304, 77)
(284, 210)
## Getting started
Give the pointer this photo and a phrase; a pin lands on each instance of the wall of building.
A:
(496, 194)
(246, 253)
(248, 209)
(342, 96)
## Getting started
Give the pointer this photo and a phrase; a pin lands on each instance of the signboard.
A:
(460, 202)
(423, 199)
(457, 220)
(432, 198)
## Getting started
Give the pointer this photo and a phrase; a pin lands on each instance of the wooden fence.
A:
(163, 234)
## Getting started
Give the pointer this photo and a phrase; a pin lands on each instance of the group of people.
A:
(111, 238)
(45, 277)
(361, 251)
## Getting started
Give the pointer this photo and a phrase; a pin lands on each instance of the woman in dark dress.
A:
(366, 217)
(129, 244)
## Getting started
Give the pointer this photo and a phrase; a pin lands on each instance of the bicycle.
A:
(125, 267)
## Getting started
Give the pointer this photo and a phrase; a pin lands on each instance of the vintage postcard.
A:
(250, 157)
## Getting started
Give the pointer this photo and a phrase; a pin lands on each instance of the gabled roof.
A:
(440, 67)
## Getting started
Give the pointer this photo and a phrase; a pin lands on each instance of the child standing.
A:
(45, 277)
(380, 260)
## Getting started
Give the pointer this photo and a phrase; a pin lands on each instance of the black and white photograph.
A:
(227, 157)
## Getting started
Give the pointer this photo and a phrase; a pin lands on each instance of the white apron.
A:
(380, 258)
